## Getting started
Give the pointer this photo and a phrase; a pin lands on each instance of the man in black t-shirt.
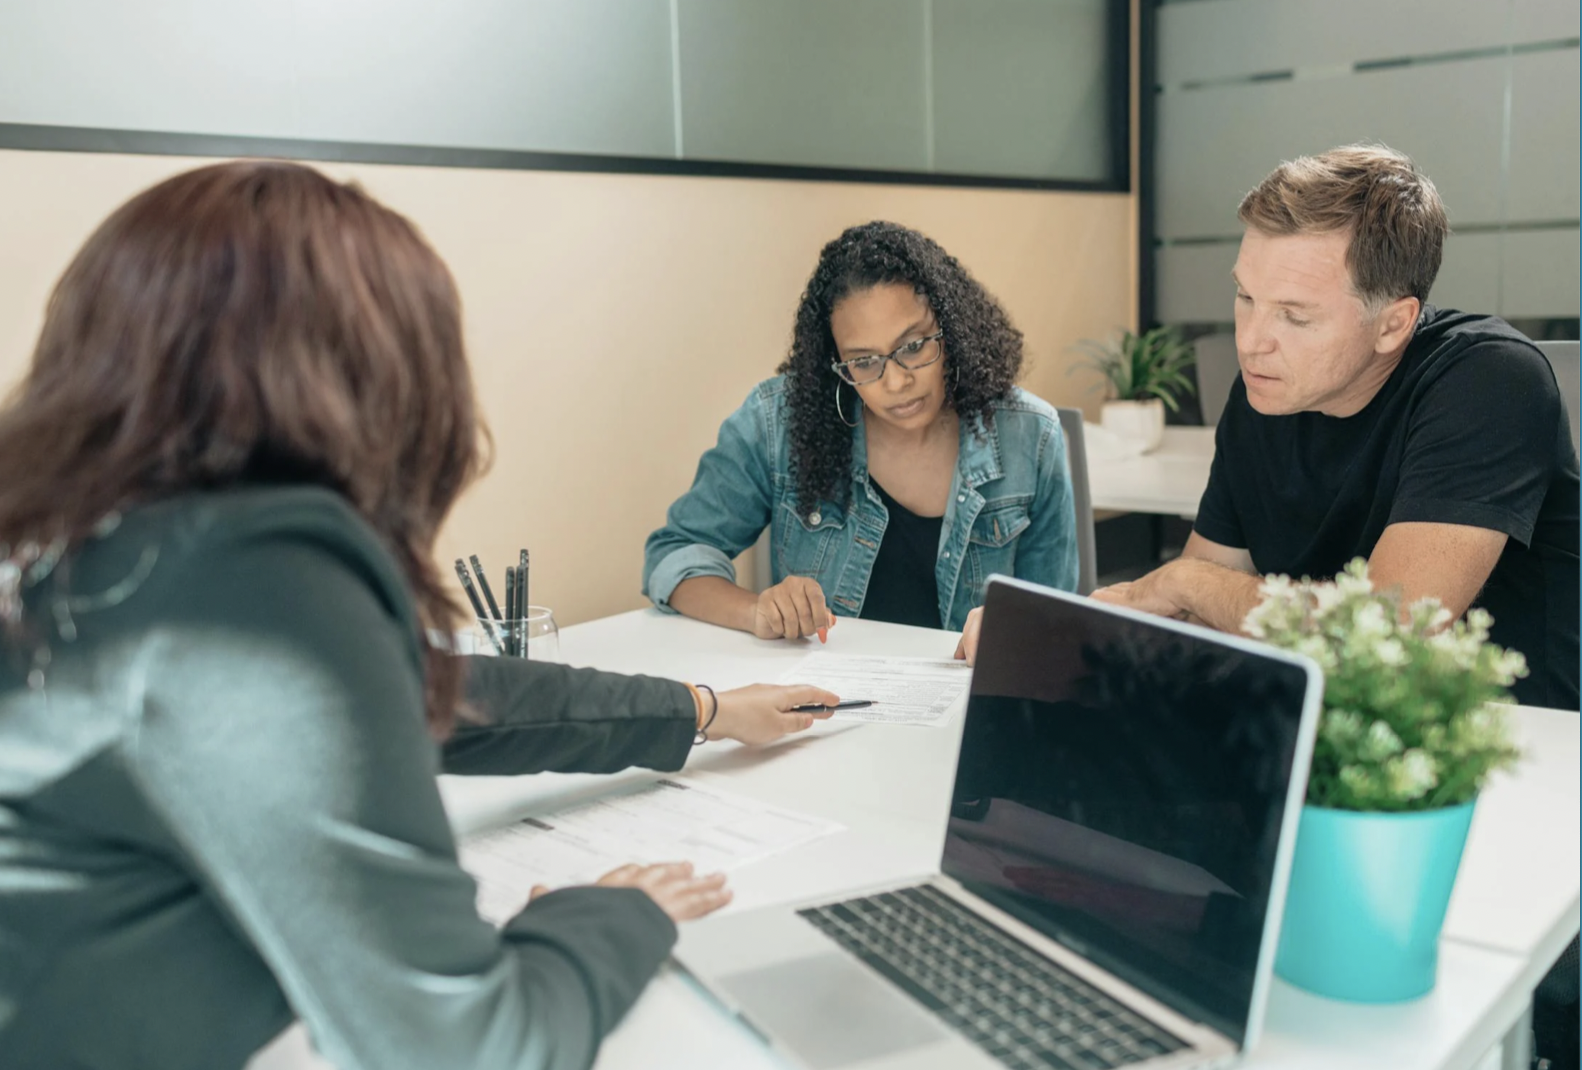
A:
(1368, 423)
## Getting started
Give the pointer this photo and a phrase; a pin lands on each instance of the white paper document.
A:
(664, 821)
(902, 690)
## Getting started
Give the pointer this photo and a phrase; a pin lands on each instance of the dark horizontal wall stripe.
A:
(1455, 228)
(1394, 63)
(30, 137)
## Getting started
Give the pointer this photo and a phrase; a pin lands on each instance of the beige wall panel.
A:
(615, 320)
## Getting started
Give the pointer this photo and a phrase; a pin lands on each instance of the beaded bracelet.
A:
(703, 733)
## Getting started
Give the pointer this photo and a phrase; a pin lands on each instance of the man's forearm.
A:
(1217, 596)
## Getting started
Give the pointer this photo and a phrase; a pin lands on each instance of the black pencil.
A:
(483, 585)
(521, 598)
(477, 606)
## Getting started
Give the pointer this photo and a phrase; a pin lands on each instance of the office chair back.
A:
(1217, 371)
(1077, 457)
(1566, 359)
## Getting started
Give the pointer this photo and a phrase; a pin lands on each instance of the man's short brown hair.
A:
(1391, 209)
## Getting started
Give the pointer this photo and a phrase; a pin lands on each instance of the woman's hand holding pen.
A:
(762, 713)
(791, 609)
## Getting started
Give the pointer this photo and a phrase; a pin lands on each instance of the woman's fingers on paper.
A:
(621, 875)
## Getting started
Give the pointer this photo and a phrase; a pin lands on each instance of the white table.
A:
(1516, 903)
(1169, 480)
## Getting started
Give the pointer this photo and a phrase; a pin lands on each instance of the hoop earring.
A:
(841, 412)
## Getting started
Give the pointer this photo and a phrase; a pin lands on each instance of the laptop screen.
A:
(1121, 788)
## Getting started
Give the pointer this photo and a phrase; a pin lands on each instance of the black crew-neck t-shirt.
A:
(902, 588)
(1469, 429)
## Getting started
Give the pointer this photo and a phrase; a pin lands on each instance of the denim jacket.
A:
(1010, 511)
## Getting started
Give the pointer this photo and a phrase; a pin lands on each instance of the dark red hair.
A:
(245, 319)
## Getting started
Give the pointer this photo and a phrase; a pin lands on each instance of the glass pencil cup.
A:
(534, 637)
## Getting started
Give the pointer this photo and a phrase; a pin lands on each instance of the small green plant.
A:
(1141, 366)
(1408, 722)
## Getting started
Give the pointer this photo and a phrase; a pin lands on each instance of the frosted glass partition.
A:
(1469, 278)
(1481, 93)
(1217, 143)
(1209, 40)
(1539, 271)
(834, 84)
(1195, 284)
(1545, 119)
(172, 65)
(544, 75)
(1020, 89)
(1015, 92)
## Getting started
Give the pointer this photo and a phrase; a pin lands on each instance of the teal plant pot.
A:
(1367, 901)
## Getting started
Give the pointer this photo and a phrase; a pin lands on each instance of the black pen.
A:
(483, 585)
(512, 613)
(521, 599)
(817, 707)
(477, 606)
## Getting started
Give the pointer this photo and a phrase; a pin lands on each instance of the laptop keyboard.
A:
(1016, 1005)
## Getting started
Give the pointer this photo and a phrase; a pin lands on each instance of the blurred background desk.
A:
(1143, 506)
(1169, 480)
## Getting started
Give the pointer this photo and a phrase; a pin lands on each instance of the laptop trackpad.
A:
(830, 1010)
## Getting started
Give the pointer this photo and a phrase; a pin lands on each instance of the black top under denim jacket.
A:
(902, 588)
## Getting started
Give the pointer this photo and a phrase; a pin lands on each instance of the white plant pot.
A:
(1143, 421)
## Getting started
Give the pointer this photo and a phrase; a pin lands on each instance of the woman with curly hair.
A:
(893, 459)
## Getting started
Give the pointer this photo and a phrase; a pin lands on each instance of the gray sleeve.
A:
(277, 732)
(531, 717)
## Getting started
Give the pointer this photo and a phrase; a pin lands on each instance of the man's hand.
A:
(967, 649)
(791, 609)
(1154, 593)
(1192, 588)
(762, 713)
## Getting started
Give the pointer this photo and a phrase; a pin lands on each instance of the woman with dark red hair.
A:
(220, 482)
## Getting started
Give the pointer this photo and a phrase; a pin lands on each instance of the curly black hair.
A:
(983, 352)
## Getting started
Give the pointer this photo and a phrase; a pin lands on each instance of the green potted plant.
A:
(1410, 731)
(1142, 374)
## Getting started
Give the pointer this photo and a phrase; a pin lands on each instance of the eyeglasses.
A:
(918, 353)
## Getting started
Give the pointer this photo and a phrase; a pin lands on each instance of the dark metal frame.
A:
(170, 143)
(1191, 410)
(1147, 128)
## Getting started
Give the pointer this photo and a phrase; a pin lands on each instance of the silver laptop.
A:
(1114, 869)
